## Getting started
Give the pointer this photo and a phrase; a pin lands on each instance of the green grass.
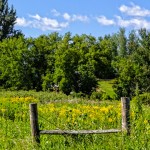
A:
(58, 111)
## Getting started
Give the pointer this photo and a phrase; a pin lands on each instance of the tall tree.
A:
(132, 43)
(7, 20)
(122, 43)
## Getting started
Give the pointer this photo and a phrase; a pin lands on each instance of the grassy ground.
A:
(58, 111)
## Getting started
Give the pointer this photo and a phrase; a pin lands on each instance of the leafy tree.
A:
(74, 64)
(122, 43)
(65, 64)
(13, 63)
(142, 58)
(50, 47)
(132, 43)
(127, 77)
(134, 69)
(106, 54)
(7, 20)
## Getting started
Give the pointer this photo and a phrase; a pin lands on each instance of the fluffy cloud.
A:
(134, 10)
(134, 14)
(22, 22)
(45, 23)
(42, 23)
(80, 18)
(104, 21)
(136, 23)
(135, 17)
(73, 18)
(55, 12)
(66, 16)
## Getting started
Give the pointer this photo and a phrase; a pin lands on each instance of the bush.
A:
(97, 95)
(145, 98)
(105, 96)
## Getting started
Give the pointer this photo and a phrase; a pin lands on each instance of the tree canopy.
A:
(72, 63)
(7, 20)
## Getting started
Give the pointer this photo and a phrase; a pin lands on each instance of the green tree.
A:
(134, 69)
(127, 72)
(65, 64)
(122, 43)
(74, 64)
(7, 20)
(50, 47)
(132, 43)
(105, 54)
(14, 63)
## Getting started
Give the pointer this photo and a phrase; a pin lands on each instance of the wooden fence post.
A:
(125, 102)
(34, 123)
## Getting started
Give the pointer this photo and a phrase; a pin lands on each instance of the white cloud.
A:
(35, 16)
(80, 18)
(134, 10)
(66, 16)
(70, 17)
(137, 23)
(45, 23)
(42, 23)
(73, 18)
(22, 22)
(135, 19)
(104, 21)
(55, 12)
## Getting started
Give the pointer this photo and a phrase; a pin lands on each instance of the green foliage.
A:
(7, 20)
(97, 95)
(143, 99)
(13, 63)
(107, 87)
(76, 63)
(74, 68)
(125, 83)
(132, 43)
(134, 69)
(122, 43)
(15, 132)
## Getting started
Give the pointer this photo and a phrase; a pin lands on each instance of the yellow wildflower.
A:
(3, 110)
(145, 121)
(110, 120)
(104, 109)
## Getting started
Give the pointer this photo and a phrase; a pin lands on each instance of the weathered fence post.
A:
(125, 102)
(34, 123)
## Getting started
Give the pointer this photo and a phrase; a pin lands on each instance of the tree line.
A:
(72, 63)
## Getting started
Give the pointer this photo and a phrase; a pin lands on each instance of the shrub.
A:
(145, 98)
(96, 95)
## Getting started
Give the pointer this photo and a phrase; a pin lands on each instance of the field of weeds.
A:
(58, 111)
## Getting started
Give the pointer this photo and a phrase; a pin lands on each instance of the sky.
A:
(91, 17)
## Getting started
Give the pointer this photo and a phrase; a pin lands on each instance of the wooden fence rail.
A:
(125, 103)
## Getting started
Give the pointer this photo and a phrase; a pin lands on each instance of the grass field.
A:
(58, 111)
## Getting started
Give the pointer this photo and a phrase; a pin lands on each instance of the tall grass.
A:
(63, 112)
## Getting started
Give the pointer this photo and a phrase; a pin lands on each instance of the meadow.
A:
(58, 111)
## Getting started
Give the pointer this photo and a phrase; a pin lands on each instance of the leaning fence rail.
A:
(36, 132)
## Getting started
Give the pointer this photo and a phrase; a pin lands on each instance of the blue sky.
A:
(95, 17)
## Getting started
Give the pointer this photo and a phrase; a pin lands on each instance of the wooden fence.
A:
(36, 132)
